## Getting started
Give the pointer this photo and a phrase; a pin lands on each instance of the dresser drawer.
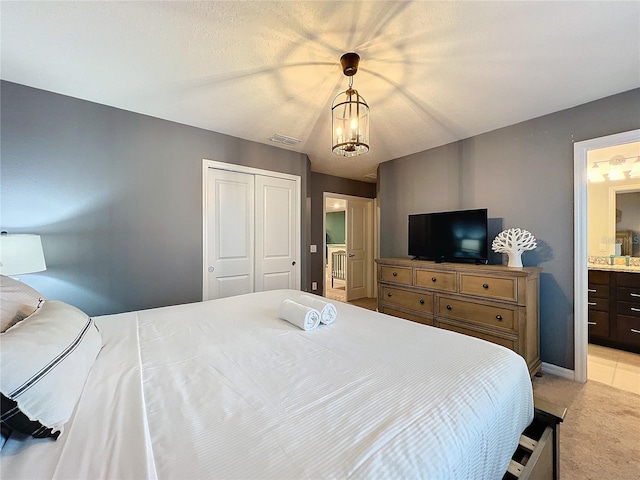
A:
(427, 320)
(628, 308)
(401, 275)
(491, 287)
(488, 315)
(599, 324)
(600, 304)
(422, 302)
(598, 291)
(436, 280)
(631, 295)
(628, 330)
(505, 342)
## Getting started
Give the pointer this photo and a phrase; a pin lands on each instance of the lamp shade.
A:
(21, 253)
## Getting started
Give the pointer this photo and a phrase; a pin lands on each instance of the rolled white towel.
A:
(328, 312)
(303, 316)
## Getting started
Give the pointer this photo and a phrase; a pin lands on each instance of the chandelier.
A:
(349, 115)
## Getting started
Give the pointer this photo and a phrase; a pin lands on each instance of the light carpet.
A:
(600, 436)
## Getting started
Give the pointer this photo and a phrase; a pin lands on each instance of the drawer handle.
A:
(635, 294)
(395, 274)
(634, 330)
(449, 307)
(485, 285)
(433, 279)
(388, 294)
(421, 302)
(592, 303)
(499, 317)
(593, 290)
(592, 323)
(633, 309)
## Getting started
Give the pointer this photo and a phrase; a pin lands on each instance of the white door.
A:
(276, 248)
(229, 234)
(358, 225)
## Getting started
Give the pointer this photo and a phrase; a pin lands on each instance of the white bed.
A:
(226, 389)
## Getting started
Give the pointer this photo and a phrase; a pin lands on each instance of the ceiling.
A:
(432, 72)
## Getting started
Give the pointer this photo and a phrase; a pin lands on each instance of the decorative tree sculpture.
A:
(513, 242)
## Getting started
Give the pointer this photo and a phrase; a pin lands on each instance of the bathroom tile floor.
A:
(616, 368)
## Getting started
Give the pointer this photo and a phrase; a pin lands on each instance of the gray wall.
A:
(523, 174)
(117, 197)
(321, 183)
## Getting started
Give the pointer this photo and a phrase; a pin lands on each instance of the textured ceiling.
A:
(432, 72)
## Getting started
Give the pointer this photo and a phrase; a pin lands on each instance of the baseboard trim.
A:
(558, 371)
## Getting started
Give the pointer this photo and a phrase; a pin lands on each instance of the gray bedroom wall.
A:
(117, 197)
(523, 174)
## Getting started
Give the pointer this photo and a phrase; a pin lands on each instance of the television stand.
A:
(492, 302)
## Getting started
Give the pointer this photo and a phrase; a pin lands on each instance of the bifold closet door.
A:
(275, 246)
(251, 234)
(230, 204)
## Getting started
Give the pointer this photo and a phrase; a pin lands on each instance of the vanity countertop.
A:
(614, 268)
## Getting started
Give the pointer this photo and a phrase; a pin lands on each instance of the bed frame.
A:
(538, 454)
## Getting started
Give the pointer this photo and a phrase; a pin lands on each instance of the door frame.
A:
(231, 167)
(371, 243)
(580, 249)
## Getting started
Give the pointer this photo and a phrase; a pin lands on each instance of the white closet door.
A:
(276, 246)
(230, 233)
(358, 218)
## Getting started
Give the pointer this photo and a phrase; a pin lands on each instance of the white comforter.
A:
(225, 389)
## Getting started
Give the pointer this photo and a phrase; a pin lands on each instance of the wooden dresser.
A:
(493, 302)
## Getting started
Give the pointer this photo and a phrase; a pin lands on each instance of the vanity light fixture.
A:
(349, 115)
(617, 168)
(635, 169)
(595, 175)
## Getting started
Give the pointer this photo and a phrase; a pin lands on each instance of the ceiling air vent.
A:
(277, 138)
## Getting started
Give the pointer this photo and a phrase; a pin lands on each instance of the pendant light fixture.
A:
(349, 115)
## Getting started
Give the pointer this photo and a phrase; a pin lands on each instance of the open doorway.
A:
(583, 257)
(348, 224)
(335, 264)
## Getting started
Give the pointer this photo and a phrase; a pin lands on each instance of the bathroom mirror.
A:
(627, 221)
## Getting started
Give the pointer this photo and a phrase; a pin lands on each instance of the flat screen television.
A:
(457, 236)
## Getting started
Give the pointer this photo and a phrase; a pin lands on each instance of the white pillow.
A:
(45, 361)
(17, 301)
